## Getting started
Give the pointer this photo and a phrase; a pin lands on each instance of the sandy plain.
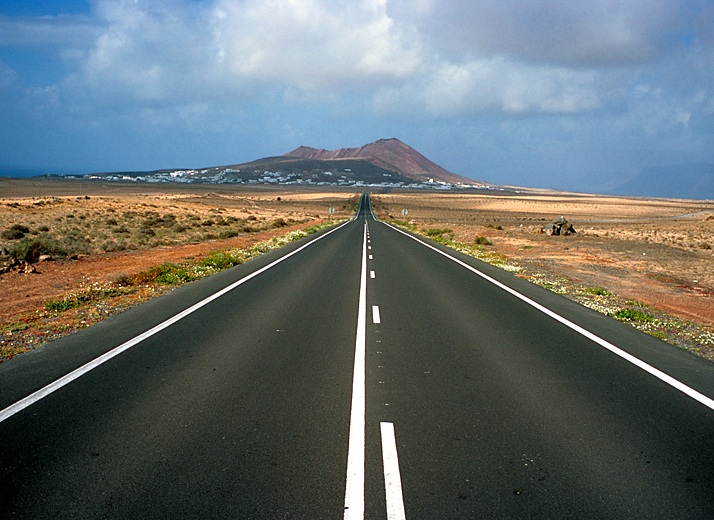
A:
(658, 253)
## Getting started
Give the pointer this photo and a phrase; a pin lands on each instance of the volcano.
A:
(389, 154)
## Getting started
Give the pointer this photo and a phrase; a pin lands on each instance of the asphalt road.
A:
(359, 373)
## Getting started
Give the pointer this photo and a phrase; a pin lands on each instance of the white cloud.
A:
(8, 77)
(313, 44)
(62, 30)
(562, 32)
(447, 57)
(150, 53)
(178, 49)
(495, 85)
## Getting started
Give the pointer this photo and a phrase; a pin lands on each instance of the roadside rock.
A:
(559, 227)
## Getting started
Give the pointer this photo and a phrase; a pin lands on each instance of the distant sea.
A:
(24, 173)
(18, 172)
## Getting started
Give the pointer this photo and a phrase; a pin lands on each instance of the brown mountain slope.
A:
(390, 154)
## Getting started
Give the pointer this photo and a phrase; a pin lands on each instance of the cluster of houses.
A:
(235, 176)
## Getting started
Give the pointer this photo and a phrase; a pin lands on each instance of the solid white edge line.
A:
(666, 378)
(376, 319)
(78, 372)
(354, 486)
(392, 477)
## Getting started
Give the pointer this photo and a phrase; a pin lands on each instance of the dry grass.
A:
(71, 225)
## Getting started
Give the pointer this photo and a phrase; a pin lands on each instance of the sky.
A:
(546, 93)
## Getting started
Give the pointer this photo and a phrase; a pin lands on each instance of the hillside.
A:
(390, 154)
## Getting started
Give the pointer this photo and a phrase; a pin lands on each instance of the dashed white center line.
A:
(375, 315)
(392, 478)
(370, 257)
(354, 487)
(371, 274)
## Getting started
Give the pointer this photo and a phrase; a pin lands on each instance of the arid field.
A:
(649, 253)
(90, 245)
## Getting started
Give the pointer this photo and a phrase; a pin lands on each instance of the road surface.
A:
(359, 373)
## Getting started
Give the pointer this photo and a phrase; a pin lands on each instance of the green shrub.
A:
(220, 260)
(12, 234)
(229, 233)
(597, 291)
(62, 305)
(29, 250)
(634, 315)
(20, 227)
(165, 274)
(15, 232)
(438, 232)
(77, 299)
(483, 241)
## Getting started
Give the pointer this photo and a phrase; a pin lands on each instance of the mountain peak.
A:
(390, 154)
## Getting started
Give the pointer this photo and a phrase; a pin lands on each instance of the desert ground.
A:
(651, 254)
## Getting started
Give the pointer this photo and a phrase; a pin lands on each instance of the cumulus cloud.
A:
(595, 33)
(494, 85)
(149, 52)
(448, 58)
(313, 43)
(177, 48)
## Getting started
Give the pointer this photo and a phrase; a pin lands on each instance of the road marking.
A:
(392, 478)
(370, 257)
(371, 274)
(354, 488)
(375, 315)
(68, 378)
(662, 376)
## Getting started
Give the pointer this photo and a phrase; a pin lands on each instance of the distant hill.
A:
(689, 181)
(390, 154)
(387, 163)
